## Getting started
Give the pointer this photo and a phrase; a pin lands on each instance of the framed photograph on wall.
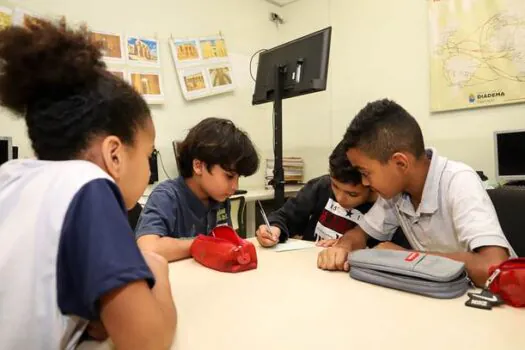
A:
(185, 51)
(120, 73)
(213, 48)
(111, 45)
(6, 17)
(142, 51)
(194, 83)
(203, 66)
(221, 78)
(149, 85)
(22, 17)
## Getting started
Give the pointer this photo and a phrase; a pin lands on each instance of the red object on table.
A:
(509, 282)
(223, 250)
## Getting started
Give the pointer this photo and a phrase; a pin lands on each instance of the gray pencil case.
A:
(414, 272)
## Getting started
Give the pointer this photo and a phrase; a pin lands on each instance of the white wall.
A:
(380, 49)
(246, 27)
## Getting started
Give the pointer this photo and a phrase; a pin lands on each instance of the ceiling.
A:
(281, 3)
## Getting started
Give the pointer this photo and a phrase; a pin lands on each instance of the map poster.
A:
(477, 53)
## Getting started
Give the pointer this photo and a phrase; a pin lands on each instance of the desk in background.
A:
(144, 198)
(287, 303)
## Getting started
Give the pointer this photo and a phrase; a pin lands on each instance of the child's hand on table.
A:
(268, 239)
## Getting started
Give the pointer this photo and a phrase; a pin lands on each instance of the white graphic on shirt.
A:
(322, 229)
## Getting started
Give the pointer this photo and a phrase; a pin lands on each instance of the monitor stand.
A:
(278, 170)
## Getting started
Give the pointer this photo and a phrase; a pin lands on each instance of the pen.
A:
(265, 218)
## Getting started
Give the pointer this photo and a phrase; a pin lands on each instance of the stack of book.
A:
(293, 171)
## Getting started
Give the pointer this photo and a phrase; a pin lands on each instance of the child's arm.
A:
(293, 216)
(335, 257)
(172, 249)
(139, 318)
(157, 225)
(477, 226)
(379, 222)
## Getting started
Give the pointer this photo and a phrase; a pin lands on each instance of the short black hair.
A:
(55, 78)
(218, 141)
(340, 167)
(383, 128)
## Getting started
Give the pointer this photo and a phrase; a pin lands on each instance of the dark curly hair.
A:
(55, 78)
(217, 141)
(340, 167)
(383, 128)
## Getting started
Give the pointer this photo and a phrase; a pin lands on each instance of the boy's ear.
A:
(400, 160)
(197, 167)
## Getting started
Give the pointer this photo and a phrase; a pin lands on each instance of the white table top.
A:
(287, 303)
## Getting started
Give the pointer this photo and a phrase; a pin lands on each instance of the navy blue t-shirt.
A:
(97, 251)
(173, 210)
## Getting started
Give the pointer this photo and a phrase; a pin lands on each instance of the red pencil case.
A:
(508, 281)
(223, 250)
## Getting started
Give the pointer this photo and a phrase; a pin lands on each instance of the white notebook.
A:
(293, 244)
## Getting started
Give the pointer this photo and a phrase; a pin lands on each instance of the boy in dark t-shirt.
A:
(324, 209)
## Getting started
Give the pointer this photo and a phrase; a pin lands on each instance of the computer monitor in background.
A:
(510, 156)
(303, 63)
(295, 68)
(6, 149)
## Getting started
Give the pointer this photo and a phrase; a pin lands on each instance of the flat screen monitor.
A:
(305, 61)
(510, 155)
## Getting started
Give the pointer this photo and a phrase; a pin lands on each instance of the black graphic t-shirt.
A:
(314, 212)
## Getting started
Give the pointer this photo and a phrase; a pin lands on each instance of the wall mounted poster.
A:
(149, 85)
(143, 51)
(23, 17)
(477, 53)
(194, 83)
(6, 17)
(120, 73)
(110, 45)
(203, 66)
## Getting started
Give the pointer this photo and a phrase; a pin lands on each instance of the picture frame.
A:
(194, 82)
(148, 84)
(111, 45)
(213, 48)
(142, 51)
(120, 73)
(22, 17)
(6, 17)
(185, 51)
(221, 78)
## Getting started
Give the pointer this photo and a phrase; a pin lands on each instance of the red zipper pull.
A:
(243, 258)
